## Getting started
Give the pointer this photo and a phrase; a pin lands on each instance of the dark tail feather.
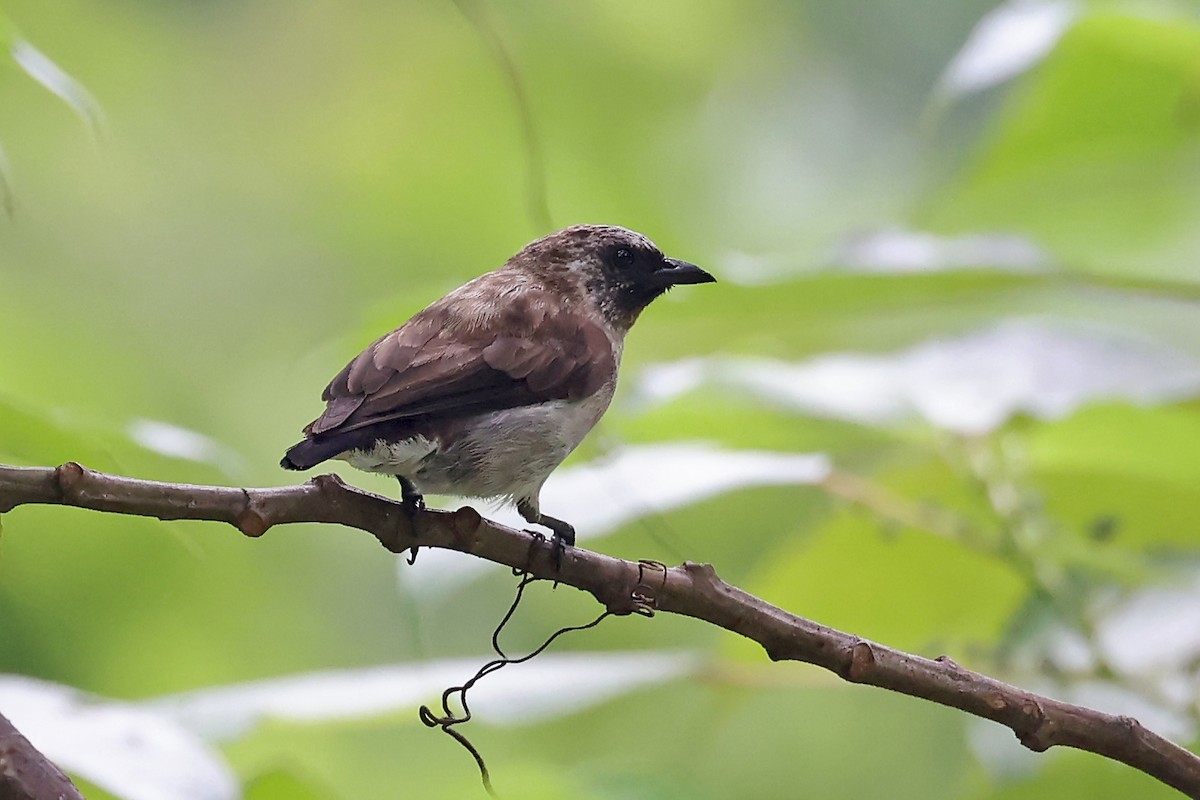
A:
(324, 446)
(309, 453)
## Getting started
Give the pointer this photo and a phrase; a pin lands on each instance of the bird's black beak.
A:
(674, 272)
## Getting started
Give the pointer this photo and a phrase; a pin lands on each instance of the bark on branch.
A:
(623, 587)
(26, 774)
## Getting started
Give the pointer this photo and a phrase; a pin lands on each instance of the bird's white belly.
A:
(507, 453)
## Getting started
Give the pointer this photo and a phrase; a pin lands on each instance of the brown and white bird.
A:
(485, 392)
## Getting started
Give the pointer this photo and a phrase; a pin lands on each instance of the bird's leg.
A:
(564, 533)
(412, 498)
(409, 495)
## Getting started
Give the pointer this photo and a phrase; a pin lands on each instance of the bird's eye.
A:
(623, 257)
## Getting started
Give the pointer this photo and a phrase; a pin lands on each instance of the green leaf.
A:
(1098, 153)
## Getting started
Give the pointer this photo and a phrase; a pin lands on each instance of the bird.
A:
(486, 391)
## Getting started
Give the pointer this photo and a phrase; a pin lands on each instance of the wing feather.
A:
(444, 362)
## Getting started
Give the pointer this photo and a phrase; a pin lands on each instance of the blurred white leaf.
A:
(1154, 630)
(903, 252)
(970, 385)
(549, 686)
(1150, 637)
(1114, 698)
(176, 442)
(758, 269)
(38, 66)
(1006, 42)
(127, 750)
(1000, 753)
(892, 252)
(630, 483)
(638, 480)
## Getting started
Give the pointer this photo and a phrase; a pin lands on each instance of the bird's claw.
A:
(412, 499)
(535, 541)
(559, 548)
(563, 532)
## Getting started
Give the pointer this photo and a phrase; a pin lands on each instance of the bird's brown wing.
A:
(446, 362)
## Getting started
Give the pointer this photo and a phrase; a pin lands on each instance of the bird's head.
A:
(618, 270)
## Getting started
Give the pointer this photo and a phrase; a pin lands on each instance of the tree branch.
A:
(26, 774)
(623, 587)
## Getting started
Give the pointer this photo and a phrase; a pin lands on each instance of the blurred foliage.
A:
(279, 183)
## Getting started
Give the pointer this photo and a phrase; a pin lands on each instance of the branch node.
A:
(1042, 734)
(1033, 742)
(1132, 729)
(404, 528)
(327, 481)
(466, 522)
(949, 662)
(701, 573)
(251, 523)
(68, 476)
(862, 662)
(1130, 724)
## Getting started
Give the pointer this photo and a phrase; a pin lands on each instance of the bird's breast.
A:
(511, 452)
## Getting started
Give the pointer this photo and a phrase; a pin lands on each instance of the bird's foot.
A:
(564, 537)
(558, 547)
(563, 533)
(414, 501)
(410, 495)
(557, 550)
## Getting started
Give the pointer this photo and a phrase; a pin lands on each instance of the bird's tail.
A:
(309, 453)
(330, 444)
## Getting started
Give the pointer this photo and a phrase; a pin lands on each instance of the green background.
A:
(274, 184)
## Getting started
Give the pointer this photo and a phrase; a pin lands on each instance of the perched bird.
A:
(485, 392)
